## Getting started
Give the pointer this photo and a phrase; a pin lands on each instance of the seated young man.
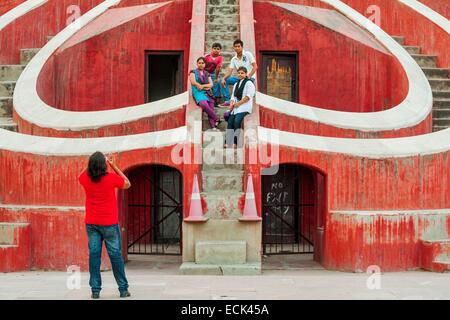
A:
(242, 58)
(241, 104)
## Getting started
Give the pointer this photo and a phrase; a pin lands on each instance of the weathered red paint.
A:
(7, 5)
(417, 29)
(335, 71)
(440, 6)
(17, 257)
(88, 77)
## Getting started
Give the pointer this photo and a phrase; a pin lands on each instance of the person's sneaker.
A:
(125, 294)
(225, 104)
(95, 295)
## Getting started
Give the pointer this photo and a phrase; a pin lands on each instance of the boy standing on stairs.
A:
(244, 59)
(213, 65)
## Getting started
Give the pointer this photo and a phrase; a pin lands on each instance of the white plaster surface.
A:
(19, 11)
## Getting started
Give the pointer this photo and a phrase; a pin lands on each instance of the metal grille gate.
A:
(154, 211)
(288, 211)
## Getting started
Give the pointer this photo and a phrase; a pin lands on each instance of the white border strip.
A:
(429, 13)
(17, 142)
(30, 107)
(19, 11)
(432, 143)
(410, 112)
(391, 212)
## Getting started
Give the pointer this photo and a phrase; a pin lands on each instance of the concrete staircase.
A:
(15, 246)
(439, 82)
(9, 74)
(435, 255)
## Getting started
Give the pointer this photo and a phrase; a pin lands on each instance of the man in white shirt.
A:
(241, 104)
(241, 59)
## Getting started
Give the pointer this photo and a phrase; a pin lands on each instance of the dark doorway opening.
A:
(279, 75)
(293, 204)
(164, 75)
(152, 211)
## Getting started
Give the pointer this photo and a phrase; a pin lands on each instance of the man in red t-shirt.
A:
(102, 220)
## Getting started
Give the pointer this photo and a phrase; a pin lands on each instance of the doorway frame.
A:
(179, 87)
(263, 82)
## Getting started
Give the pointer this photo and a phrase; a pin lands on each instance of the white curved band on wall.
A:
(17, 142)
(432, 143)
(429, 13)
(30, 107)
(410, 112)
(19, 11)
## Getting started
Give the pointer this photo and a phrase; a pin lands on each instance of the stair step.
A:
(412, 49)
(27, 54)
(439, 128)
(222, 2)
(222, 19)
(224, 38)
(222, 204)
(439, 103)
(224, 180)
(436, 72)
(439, 94)
(6, 106)
(425, 60)
(441, 122)
(245, 269)
(399, 39)
(7, 88)
(11, 72)
(8, 124)
(223, 156)
(220, 252)
(213, 139)
(224, 28)
(439, 84)
(441, 113)
(228, 9)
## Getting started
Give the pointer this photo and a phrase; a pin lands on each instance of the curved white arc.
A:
(20, 10)
(432, 143)
(17, 142)
(411, 111)
(30, 107)
(429, 13)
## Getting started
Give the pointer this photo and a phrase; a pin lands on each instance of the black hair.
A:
(242, 69)
(216, 45)
(238, 41)
(201, 58)
(97, 166)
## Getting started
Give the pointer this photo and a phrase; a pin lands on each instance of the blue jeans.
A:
(111, 236)
(234, 128)
(216, 89)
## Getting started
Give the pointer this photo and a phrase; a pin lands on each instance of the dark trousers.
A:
(111, 235)
(234, 128)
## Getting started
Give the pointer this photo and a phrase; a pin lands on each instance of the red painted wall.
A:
(440, 6)
(335, 72)
(50, 17)
(7, 5)
(398, 19)
(108, 70)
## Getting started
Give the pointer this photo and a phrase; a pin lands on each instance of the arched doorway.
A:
(152, 211)
(293, 202)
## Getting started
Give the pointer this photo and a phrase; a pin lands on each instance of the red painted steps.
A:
(15, 246)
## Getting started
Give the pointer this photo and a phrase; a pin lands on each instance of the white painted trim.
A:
(17, 142)
(429, 13)
(17, 207)
(19, 11)
(391, 212)
(411, 111)
(30, 107)
(436, 142)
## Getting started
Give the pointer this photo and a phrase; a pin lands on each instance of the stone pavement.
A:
(286, 277)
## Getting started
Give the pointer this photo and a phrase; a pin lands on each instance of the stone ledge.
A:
(191, 268)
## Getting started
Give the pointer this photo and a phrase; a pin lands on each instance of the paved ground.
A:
(286, 277)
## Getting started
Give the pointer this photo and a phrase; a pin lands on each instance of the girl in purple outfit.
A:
(201, 90)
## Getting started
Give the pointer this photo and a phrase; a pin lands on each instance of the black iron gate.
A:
(288, 215)
(154, 211)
